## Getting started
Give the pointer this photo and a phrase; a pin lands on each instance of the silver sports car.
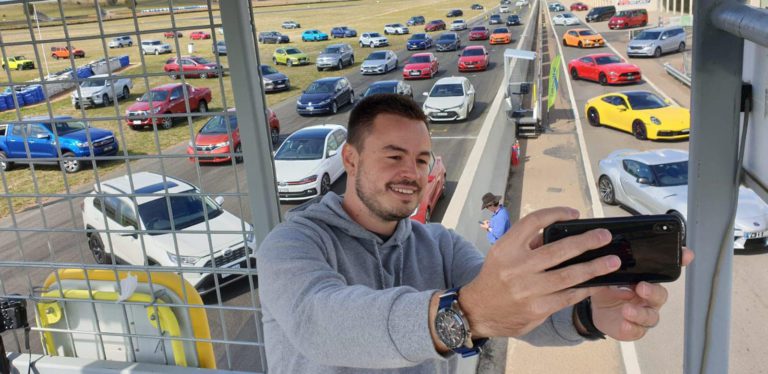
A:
(656, 182)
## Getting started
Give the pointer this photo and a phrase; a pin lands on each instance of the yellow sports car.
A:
(642, 113)
(583, 38)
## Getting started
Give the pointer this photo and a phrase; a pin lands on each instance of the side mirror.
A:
(622, 108)
(138, 98)
(42, 136)
(332, 153)
(131, 234)
(425, 94)
(219, 200)
(174, 98)
(471, 92)
(643, 180)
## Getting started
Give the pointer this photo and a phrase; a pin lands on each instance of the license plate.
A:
(282, 189)
(108, 148)
(753, 235)
(136, 122)
(415, 73)
(310, 108)
(236, 265)
(630, 76)
(440, 114)
(280, 86)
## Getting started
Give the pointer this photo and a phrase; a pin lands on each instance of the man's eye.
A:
(397, 158)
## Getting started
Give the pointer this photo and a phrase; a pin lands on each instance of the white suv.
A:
(395, 28)
(373, 40)
(155, 47)
(121, 41)
(117, 234)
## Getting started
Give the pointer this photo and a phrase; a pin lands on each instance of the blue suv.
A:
(419, 41)
(343, 32)
(313, 35)
(325, 95)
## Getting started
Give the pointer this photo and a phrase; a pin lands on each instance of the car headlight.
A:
(613, 73)
(326, 101)
(222, 144)
(191, 144)
(655, 120)
(298, 102)
(157, 110)
(429, 107)
(83, 144)
(455, 107)
(620, 21)
(182, 260)
(309, 179)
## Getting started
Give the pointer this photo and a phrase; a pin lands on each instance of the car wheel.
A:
(372, 45)
(334, 107)
(593, 116)
(274, 60)
(105, 99)
(325, 184)
(603, 79)
(202, 107)
(682, 226)
(289, 62)
(638, 129)
(96, 245)
(126, 92)
(607, 192)
(157, 52)
(319, 69)
(362, 45)
(657, 52)
(340, 65)
(574, 74)
(274, 134)
(5, 165)
(580, 45)
(69, 164)
(352, 97)
(442, 190)
(564, 43)
(203, 75)
(130, 44)
(239, 149)
(681, 47)
(77, 106)
(352, 60)
(166, 123)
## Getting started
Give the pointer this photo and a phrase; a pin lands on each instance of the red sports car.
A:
(605, 68)
(479, 33)
(579, 6)
(192, 66)
(434, 190)
(199, 35)
(213, 142)
(421, 65)
(170, 34)
(473, 57)
(435, 25)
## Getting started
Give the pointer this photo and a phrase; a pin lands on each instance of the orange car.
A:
(583, 38)
(63, 52)
(500, 35)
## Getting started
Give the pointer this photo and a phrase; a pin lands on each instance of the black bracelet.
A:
(583, 312)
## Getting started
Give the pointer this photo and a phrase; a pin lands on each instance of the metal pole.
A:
(743, 21)
(715, 102)
(40, 37)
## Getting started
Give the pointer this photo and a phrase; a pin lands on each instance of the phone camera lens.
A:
(665, 228)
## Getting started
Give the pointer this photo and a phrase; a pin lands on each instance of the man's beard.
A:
(375, 206)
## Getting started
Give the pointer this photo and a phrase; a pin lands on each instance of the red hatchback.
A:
(473, 57)
(604, 68)
(191, 66)
(579, 6)
(435, 25)
(213, 142)
(199, 35)
(479, 33)
(421, 65)
(171, 34)
(434, 190)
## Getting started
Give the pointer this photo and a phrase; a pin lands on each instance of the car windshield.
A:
(200, 60)
(447, 37)
(320, 87)
(418, 59)
(292, 51)
(187, 211)
(567, 15)
(64, 128)
(587, 33)
(380, 88)
(607, 60)
(419, 36)
(267, 70)
(501, 31)
(495, 16)
(447, 90)
(397, 25)
(332, 50)
(648, 35)
(622, 14)
(672, 174)
(377, 56)
(473, 52)
(645, 100)
(218, 125)
(298, 148)
(479, 28)
(153, 43)
(458, 21)
(93, 83)
(19, 57)
(374, 35)
(154, 96)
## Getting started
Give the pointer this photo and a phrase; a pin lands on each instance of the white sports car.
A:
(656, 182)
(565, 19)
(450, 99)
(309, 161)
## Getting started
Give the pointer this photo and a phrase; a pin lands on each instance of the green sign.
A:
(554, 77)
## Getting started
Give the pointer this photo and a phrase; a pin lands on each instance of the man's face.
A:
(393, 167)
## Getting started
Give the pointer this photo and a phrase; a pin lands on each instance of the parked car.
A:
(450, 99)
(152, 107)
(309, 162)
(155, 47)
(289, 56)
(313, 35)
(513, 20)
(433, 192)
(379, 62)
(47, 136)
(504, 9)
(219, 139)
(101, 90)
(655, 42)
(18, 63)
(335, 56)
(448, 41)
(421, 65)
(419, 41)
(325, 95)
(121, 41)
(435, 25)
(556, 7)
(583, 38)
(373, 40)
(601, 13)
(640, 113)
(656, 182)
(390, 86)
(291, 25)
(629, 18)
(199, 35)
(605, 68)
(64, 52)
(479, 33)
(171, 34)
(454, 13)
(274, 80)
(396, 29)
(415, 20)
(458, 25)
(343, 32)
(476, 7)
(500, 35)
(220, 48)
(473, 58)
(171, 215)
(521, 3)
(565, 19)
(495, 19)
(192, 66)
(579, 6)
(273, 37)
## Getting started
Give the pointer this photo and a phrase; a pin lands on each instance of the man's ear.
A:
(349, 157)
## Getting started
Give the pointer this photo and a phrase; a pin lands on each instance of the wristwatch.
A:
(453, 328)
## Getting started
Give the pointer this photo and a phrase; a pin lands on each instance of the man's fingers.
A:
(687, 256)
(654, 294)
(537, 241)
(555, 253)
(640, 315)
(557, 301)
(557, 280)
(529, 226)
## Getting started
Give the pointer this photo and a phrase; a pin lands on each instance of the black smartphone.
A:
(649, 246)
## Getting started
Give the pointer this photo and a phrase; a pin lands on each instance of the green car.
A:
(18, 63)
(289, 56)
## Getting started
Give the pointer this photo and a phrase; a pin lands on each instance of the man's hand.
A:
(513, 293)
(627, 313)
(485, 225)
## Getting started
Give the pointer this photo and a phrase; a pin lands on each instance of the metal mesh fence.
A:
(111, 115)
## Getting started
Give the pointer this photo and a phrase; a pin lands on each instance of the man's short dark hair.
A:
(365, 112)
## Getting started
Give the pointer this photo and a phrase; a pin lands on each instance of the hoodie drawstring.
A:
(382, 279)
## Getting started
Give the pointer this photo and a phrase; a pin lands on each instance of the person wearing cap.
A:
(499, 222)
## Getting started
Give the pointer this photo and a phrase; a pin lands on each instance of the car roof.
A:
(658, 156)
(664, 28)
(316, 131)
(145, 183)
(46, 118)
(329, 79)
(451, 80)
(338, 45)
(476, 46)
(422, 54)
(166, 87)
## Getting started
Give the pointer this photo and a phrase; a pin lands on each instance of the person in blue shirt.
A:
(499, 222)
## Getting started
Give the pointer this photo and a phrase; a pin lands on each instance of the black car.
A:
(273, 37)
(477, 7)
(274, 80)
(601, 13)
(454, 13)
(325, 95)
(495, 19)
(556, 7)
(448, 41)
(393, 86)
(416, 20)
(513, 20)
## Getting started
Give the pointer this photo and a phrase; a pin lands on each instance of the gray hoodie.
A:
(338, 299)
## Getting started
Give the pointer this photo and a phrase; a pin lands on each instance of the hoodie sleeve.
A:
(331, 322)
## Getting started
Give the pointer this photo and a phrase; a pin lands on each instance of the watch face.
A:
(450, 328)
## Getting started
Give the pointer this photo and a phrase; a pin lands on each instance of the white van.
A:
(655, 42)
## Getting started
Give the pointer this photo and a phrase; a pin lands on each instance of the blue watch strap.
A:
(446, 300)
